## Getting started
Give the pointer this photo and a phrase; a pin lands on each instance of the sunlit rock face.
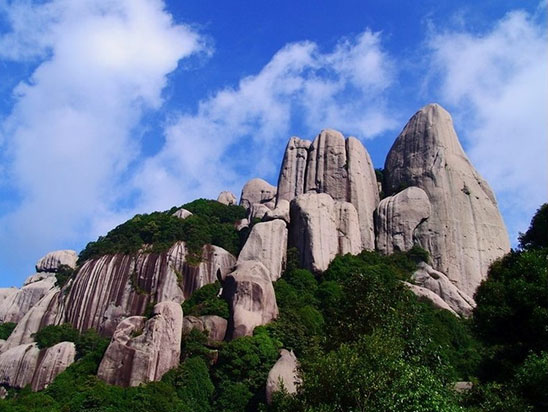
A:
(465, 231)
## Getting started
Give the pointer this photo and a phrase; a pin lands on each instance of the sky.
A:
(109, 108)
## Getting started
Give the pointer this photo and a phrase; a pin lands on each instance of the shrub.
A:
(206, 301)
(6, 329)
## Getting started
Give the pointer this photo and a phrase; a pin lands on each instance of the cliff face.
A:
(465, 231)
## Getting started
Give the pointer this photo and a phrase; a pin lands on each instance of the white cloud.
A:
(236, 131)
(71, 134)
(497, 85)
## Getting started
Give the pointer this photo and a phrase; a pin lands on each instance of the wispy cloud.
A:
(99, 65)
(497, 85)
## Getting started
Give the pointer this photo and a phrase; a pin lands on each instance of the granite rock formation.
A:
(52, 261)
(144, 350)
(251, 298)
(258, 191)
(293, 171)
(182, 213)
(15, 303)
(227, 198)
(322, 228)
(465, 231)
(284, 372)
(215, 326)
(52, 362)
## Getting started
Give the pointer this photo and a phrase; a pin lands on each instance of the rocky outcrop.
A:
(258, 191)
(398, 217)
(267, 243)
(182, 213)
(144, 350)
(465, 231)
(258, 211)
(52, 362)
(439, 284)
(227, 198)
(281, 211)
(292, 174)
(423, 293)
(322, 228)
(251, 298)
(15, 303)
(52, 261)
(18, 364)
(215, 326)
(112, 287)
(284, 373)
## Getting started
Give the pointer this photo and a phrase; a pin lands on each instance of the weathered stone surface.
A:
(35, 319)
(397, 218)
(267, 243)
(214, 325)
(51, 363)
(3, 393)
(258, 211)
(15, 303)
(292, 174)
(18, 364)
(251, 298)
(182, 213)
(438, 283)
(52, 261)
(143, 351)
(463, 386)
(322, 228)
(227, 198)
(284, 372)
(363, 190)
(465, 231)
(281, 211)
(241, 224)
(112, 287)
(258, 191)
(421, 292)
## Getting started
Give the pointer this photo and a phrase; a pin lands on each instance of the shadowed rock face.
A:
(341, 168)
(322, 228)
(251, 298)
(284, 372)
(144, 350)
(112, 287)
(52, 362)
(18, 364)
(465, 231)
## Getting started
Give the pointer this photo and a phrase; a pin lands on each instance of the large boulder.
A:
(465, 232)
(52, 261)
(267, 243)
(423, 293)
(109, 288)
(322, 228)
(438, 283)
(281, 211)
(293, 171)
(15, 303)
(251, 298)
(17, 365)
(398, 217)
(215, 326)
(144, 350)
(52, 362)
(285, 372)
(182, 213)
(258, 191)
(226, 198)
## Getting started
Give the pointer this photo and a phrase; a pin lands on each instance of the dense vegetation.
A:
(211, 223)
(206, 301)
(6, 329)
(363, 340)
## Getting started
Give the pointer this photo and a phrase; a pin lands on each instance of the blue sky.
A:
(112, 108)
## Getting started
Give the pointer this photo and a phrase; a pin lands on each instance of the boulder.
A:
(465, 232)
(3, 393)
(251, 298)
(440, 284)
(281, 211)
(285, 372)
(258, 191)
(51, 363)
(241, 224)
(398, 217)
(215, 326)
(267, 243)
(52, 261)
(144, 350)
(293, 171)
(227, 198)
(258, 211)
(182, 213)
(322, 228)
(15, 303)
(17, 365)
(421, 292)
